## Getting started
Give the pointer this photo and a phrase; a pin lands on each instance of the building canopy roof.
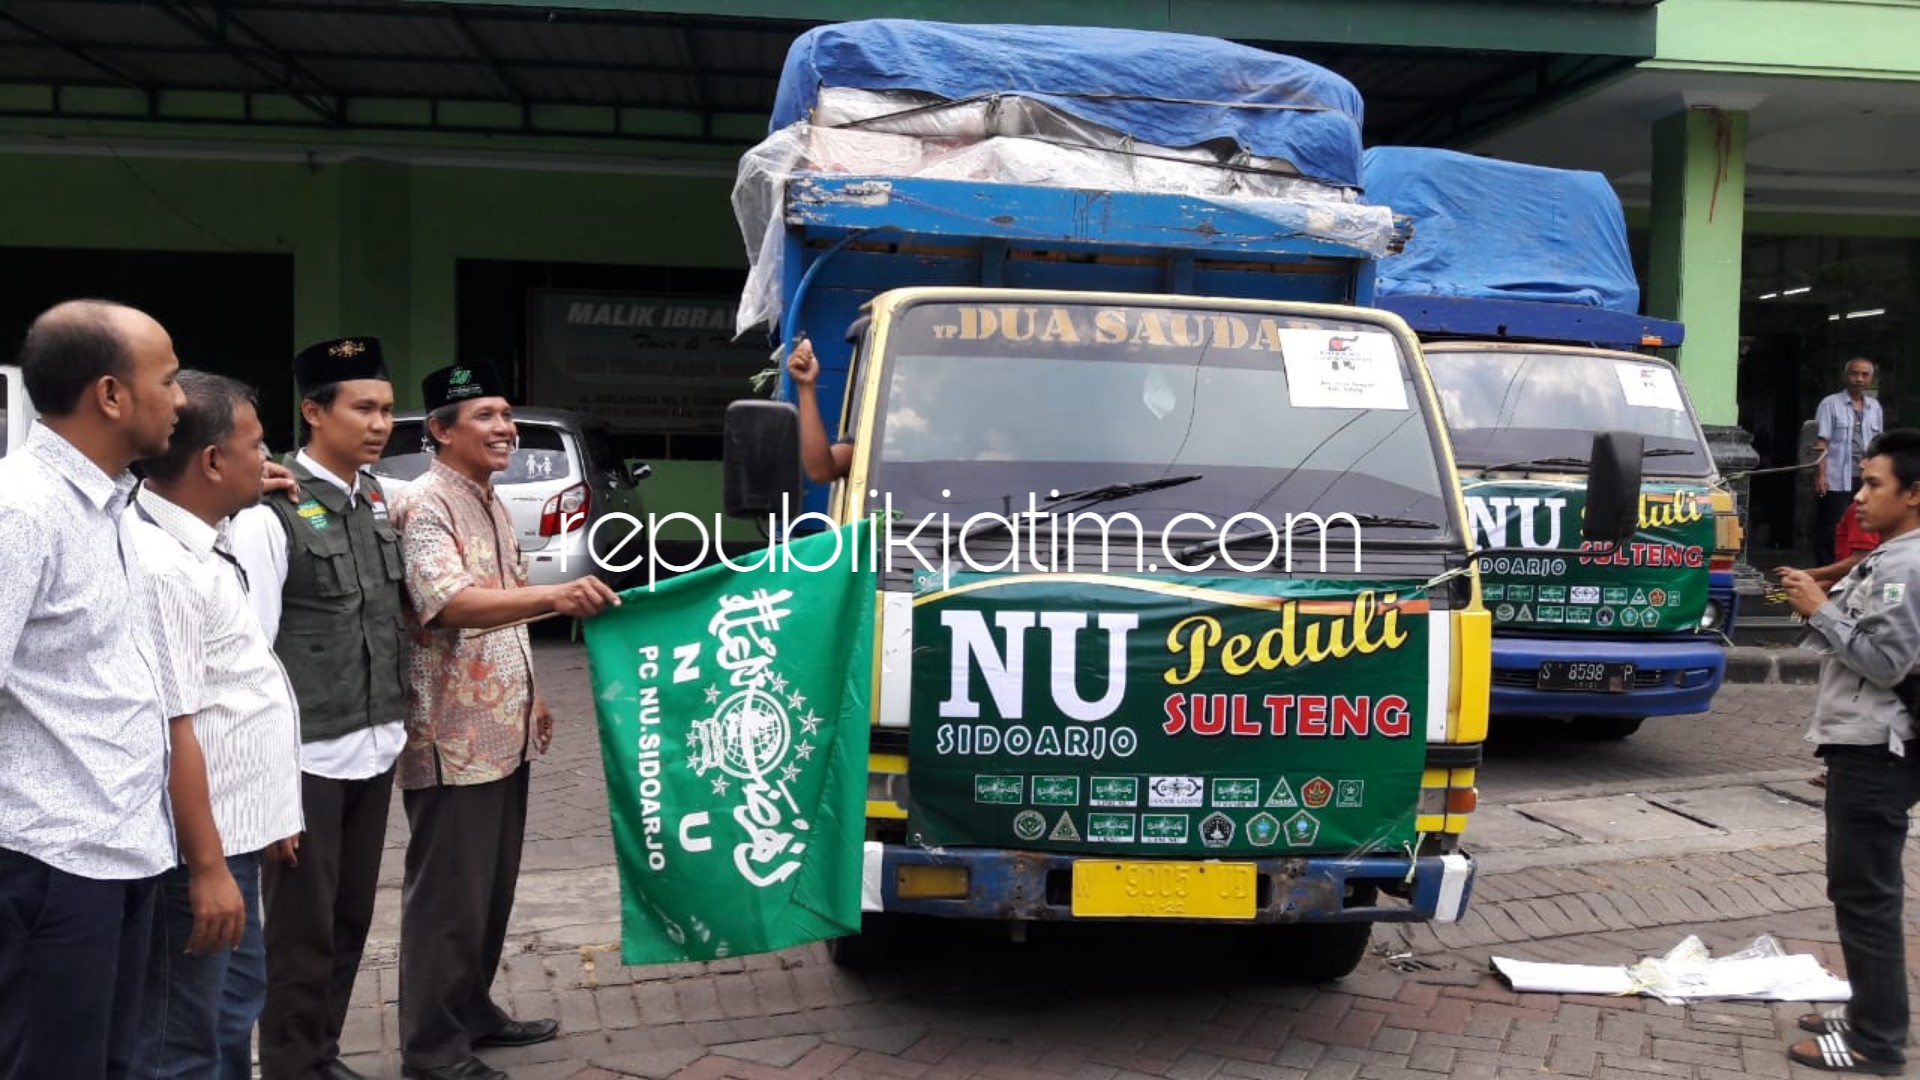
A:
(1434, 72)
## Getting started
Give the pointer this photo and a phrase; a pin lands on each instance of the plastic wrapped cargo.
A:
(1296, 207)
(1498, 230)
(1154, 87)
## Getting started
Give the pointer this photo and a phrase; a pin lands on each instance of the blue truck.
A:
(1120, 282)
(1518, 280)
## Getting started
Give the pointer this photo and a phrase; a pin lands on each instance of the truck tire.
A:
(865, 950)
(1607, 727)
(1317, 952)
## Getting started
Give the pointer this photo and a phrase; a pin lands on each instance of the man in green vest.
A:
(326, 581)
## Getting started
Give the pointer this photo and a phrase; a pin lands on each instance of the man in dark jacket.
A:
(326, 582)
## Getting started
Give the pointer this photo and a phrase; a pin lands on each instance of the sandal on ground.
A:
(1818, 781)
(1828, 1021)
(1831, 1053)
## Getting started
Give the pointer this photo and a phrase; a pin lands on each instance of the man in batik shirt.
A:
(473, 722)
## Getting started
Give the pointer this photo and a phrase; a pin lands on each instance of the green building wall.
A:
(374, 244)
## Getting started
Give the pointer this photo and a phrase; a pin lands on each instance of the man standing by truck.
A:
(1845, 423)
(475, 720)
(1869, 631)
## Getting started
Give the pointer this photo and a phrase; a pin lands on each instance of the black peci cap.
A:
(340, 360)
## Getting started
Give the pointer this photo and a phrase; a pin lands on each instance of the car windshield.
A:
(540, 457)
(1509, 406)
(1269, 414)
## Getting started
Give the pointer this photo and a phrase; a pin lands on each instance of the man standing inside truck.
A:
(1868, 629)
(825, 461)
(1845, 423)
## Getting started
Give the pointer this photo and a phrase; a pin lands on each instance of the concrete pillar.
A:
(1698, 213)
(1697, 219)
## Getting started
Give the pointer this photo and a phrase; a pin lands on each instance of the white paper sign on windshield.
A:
(1342, 369)
(1650, 386)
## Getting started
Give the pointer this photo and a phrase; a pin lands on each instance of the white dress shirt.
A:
(83, 784)
(260, 543)
(221, 670)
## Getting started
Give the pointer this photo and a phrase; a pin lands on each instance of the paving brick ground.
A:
(1109, 1003)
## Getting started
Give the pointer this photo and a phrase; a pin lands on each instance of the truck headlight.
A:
(1710, 618)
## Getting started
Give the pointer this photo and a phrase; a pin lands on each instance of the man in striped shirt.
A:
(235, 738)
(1845, 423)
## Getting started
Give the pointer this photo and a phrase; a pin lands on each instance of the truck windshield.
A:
(1511, 406)
(985, 407)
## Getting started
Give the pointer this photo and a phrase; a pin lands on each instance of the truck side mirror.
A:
(637, 471)
(1613, 487)
(761, 451)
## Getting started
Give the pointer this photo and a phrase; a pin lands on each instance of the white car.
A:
(16, 411)
(563, 478)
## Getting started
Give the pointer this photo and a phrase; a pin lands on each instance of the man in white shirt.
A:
(84, 826)
(326, 583)
(235, 779)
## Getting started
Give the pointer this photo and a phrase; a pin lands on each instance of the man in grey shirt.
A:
(84, 822)
(1868, 629)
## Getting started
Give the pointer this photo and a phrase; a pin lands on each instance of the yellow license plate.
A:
(1163, 890)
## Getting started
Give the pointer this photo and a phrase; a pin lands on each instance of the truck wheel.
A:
(867, 949)
(1607, 727)
(1318, 952)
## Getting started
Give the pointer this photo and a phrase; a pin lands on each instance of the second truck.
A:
(1519, 283)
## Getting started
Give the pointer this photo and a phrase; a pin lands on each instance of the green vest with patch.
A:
(343, 636)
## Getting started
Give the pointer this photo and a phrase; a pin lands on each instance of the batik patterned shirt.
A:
(471, 691)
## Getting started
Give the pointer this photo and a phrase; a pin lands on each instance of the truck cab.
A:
(1180, 621)
(1525, 303)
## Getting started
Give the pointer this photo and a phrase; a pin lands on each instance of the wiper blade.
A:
(1240, 539)
(1539, 462)
(1576, 462)
(1093, 496)
(1110, 492)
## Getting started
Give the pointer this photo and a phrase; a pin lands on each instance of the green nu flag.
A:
(733, 724)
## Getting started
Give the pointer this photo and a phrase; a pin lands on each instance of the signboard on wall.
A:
(645, 364)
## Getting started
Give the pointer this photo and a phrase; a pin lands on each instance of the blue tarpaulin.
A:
(1175, 90)
(1487, 229)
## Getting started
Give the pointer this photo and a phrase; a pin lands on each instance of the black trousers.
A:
(316, 917)
(1869, 795)
(1832, 507)
(463, 863)
(73, 966)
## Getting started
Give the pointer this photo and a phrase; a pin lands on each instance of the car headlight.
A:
(1710, 618)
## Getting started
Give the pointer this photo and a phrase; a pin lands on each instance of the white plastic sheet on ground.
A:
(1763, 971)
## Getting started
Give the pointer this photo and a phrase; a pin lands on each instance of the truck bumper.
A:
(1007, 885)
(1671, 678)
(1722, 590)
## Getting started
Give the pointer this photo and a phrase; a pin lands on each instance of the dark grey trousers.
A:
(463, 864)
(315, 918)
(1869, 795)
